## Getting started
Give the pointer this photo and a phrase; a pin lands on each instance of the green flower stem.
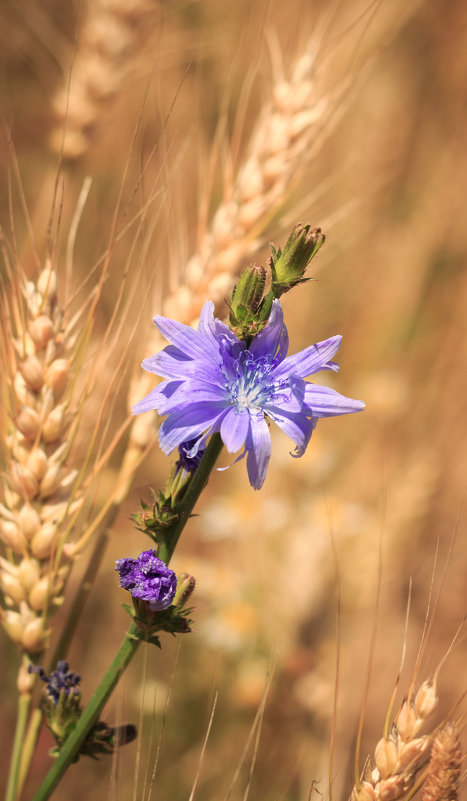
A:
(129, 646)
(61, 649)
(192, 493)
(24, 701)
(90, 715)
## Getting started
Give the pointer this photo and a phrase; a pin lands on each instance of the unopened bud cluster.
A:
(399, 757)
(38, 489)
(253, 295)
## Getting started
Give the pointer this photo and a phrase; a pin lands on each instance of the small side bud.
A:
(288, 266)
(185, 586)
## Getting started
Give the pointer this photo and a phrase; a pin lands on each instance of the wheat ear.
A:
(401, 755)
(286, 135)
(38, 483)
(109, 41)
(444, 769)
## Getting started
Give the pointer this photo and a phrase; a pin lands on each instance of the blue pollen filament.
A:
(251, 387)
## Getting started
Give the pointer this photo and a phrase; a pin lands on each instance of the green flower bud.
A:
(249, 309)
(247, 295)
(185, 586)
(288, 265)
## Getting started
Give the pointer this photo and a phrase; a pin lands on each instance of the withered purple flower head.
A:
(60, 679)
(148, 578)
(216, 383)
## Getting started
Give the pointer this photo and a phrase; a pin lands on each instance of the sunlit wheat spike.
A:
(400, 755)
(109, 41)
(444, 769)
(288, 132)
(44, 393)
(38, 483)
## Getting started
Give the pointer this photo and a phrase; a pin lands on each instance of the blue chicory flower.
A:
(148, 578)
(59, 679)
(216, 383)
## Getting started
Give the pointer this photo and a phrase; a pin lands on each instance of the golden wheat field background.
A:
(167, 143)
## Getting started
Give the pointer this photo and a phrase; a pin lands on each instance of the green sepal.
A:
(155, 519)
(249, 311)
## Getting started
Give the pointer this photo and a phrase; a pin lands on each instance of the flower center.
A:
(249, 382)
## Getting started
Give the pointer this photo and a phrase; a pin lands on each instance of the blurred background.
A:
(159, 104)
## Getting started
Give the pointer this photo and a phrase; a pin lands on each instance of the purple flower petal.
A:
(258, 451)
(325, 402)
(296, 426)
(189, 423)
(191, 342)
(158, 398)
(311, 360)
(269, 339)
(234, 429)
